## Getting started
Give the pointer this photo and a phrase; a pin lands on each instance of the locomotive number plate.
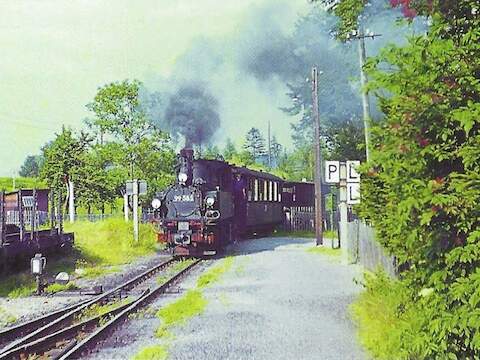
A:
(183, 225)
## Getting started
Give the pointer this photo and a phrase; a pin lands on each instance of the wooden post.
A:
(51, 196)
(34, 215)
(2, 218)
(135, 209)
(59, 213)
(20, 215)
(71, 201)
(365, 103)
(318, 161)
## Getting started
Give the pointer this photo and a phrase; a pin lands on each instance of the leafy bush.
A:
(421, 189)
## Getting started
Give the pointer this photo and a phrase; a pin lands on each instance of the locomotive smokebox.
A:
(185, 173)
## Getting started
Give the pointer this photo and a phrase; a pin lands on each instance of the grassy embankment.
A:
(380, 318)
(99, 248)
(180, 311)
(6, 183)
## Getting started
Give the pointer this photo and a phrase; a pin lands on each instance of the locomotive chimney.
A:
(186, 166)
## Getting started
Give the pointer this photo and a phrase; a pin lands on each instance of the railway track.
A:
(66, 335)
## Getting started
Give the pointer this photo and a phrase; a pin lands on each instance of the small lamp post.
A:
(37, 265)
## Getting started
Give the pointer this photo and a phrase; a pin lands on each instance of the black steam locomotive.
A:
(212, 203)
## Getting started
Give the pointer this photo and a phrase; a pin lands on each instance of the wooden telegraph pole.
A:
(318, 161)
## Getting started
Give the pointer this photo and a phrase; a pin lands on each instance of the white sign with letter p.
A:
(332, 172)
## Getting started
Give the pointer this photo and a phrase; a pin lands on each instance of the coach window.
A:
(270, 190)
(255, 190)
(250, 189)
(275, 189)
(265, 190)
(261, 189)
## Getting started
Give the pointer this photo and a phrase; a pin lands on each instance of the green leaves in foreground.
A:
(421, 189)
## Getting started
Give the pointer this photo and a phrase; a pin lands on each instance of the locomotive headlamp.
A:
(210, 200)
(182, 178)
(156, 203)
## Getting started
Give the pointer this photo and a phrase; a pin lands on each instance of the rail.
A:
(64, 344)
(51, 322)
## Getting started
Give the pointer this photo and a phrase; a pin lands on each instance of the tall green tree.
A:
(230, 150)
(31, 166)
(275, 149)
(344, 140)
(254, 143)
(63, 157)
(118, 113)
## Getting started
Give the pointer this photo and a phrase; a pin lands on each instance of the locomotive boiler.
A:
(195, 214)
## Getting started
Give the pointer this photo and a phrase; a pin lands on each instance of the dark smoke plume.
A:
(192, 113)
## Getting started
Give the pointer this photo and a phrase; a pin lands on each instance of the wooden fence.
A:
(365, 250)
(302, 218)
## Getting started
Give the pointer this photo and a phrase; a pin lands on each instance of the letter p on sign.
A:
(332, 172)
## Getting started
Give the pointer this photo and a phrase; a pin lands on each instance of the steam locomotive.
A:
(212, 203)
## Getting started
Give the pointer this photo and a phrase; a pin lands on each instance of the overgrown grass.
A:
(17, 285)
(330, 234)
(177, 267)
(381, 318)
(327, 234)
(191, 304)
(324, 251)
(214, 274)
(6, 318)
(107, 243)
(54, 288)
(293, 234)
(99, 310)
(156, 352)
(6, 183)
(99, 248)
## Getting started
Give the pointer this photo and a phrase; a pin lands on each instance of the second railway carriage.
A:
(258, 201)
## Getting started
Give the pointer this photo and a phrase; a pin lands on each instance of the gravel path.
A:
(277, 302)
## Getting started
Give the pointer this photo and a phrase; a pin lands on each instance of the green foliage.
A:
(136, 148)
(17, 285)
(31, 166)
(382, 318)
(421, 189)
(6, 183)
(298, 164)
(62, 158)
(345, 140)
(6, 318)
(155, 352)
(54, 288)
(230, 150)
(110, 242)
(254, 143)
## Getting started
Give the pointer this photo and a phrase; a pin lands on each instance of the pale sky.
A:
(56, 53)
